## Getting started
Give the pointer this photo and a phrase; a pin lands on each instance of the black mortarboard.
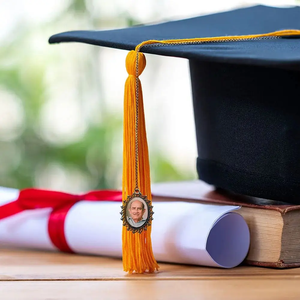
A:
(245, 93)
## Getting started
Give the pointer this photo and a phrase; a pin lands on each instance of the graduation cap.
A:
(245, 74)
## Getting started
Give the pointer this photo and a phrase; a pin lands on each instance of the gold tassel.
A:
(137, 247)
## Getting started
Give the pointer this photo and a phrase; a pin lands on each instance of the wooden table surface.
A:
(26, 274)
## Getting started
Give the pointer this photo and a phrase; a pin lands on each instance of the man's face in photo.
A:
(136, 210)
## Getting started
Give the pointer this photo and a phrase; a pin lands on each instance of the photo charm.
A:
(137, 213)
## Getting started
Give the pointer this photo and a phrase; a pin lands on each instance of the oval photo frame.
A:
(137, 213)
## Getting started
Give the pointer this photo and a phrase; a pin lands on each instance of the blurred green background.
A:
(56, 130)
(60, 126)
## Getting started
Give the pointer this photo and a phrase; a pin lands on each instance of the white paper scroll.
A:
(190, 233)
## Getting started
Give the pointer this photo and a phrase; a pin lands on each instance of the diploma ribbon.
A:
(60, 202)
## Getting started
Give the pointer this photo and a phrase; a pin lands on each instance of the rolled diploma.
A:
(182, 232)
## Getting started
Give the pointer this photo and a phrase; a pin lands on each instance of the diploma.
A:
(182, 232)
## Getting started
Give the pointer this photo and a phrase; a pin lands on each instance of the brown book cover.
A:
(198, 191)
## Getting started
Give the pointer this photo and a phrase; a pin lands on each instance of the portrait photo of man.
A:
(136, 211)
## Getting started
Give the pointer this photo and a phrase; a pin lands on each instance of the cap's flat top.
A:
(283, 52)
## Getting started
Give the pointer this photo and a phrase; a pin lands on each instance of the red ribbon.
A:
(61, 204)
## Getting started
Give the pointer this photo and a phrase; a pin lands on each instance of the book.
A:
(274, 225)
